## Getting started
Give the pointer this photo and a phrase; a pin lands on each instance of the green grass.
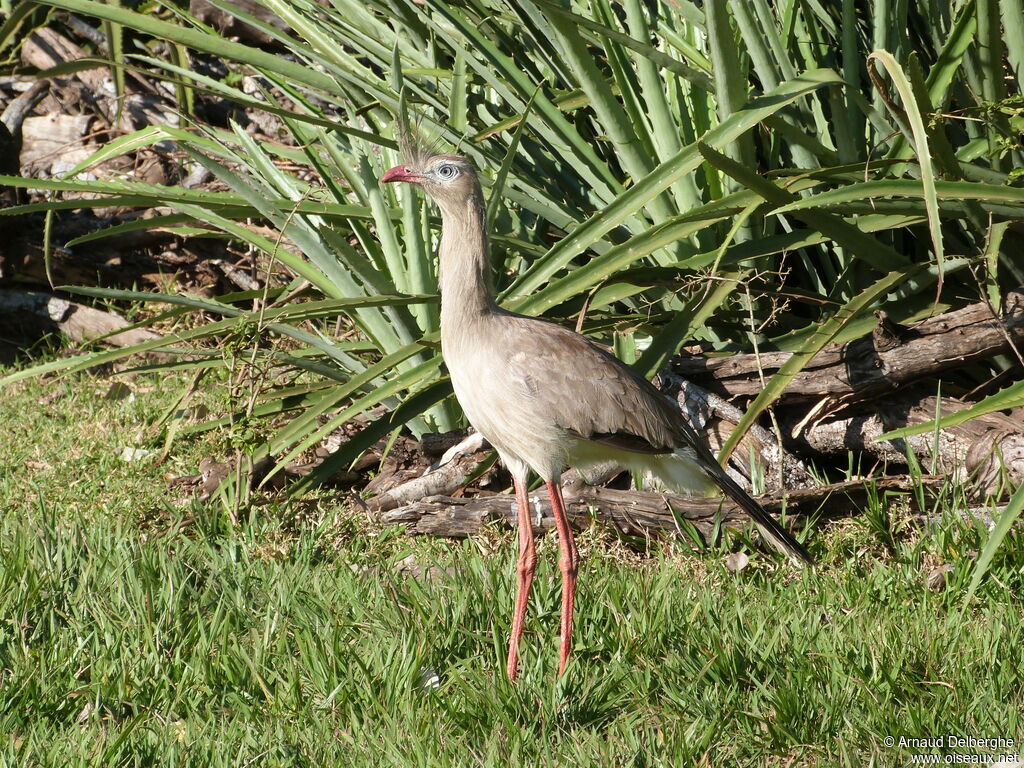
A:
(137, 629)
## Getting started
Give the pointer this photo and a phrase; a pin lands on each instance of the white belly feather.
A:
(495, 407)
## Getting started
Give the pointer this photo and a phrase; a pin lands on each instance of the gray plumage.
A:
(545, 397)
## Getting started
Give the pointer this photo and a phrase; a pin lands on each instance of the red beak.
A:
(401, 173)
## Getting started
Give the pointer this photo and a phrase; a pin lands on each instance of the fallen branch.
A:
(77, 321)
(712, 416)
(640, 513)
(450, 473)
(985, 449)
(891, 356)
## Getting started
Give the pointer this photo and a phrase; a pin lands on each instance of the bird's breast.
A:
(497, 402)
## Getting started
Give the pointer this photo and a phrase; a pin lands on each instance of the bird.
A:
(545, 397)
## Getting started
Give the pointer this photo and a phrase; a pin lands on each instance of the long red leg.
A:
(526, 567)
(568, 563)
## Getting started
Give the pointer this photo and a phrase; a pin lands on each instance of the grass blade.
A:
(666, 174)
(995, 539)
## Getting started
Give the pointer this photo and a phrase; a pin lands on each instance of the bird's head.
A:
(449, 179)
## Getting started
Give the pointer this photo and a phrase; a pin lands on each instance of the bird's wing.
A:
(583, 389)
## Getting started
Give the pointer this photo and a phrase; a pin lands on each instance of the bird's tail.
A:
(684, 471)
(776, 535)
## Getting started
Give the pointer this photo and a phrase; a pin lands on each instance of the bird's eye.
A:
(447, 171)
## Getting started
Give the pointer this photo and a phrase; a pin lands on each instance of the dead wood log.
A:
(867, 367)
(90, 90)
(11, 122)
(83, 91)
(638, 513)
(230, 25)
(980, 450)
(79, 322)
(715, 418)
(147, 258)
(443, 478)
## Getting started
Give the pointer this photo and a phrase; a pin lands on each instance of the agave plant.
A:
(644, 162)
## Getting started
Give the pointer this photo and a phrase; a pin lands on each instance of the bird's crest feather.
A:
(415, 149)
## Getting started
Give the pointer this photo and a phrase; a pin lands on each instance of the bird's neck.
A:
(467, 291)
